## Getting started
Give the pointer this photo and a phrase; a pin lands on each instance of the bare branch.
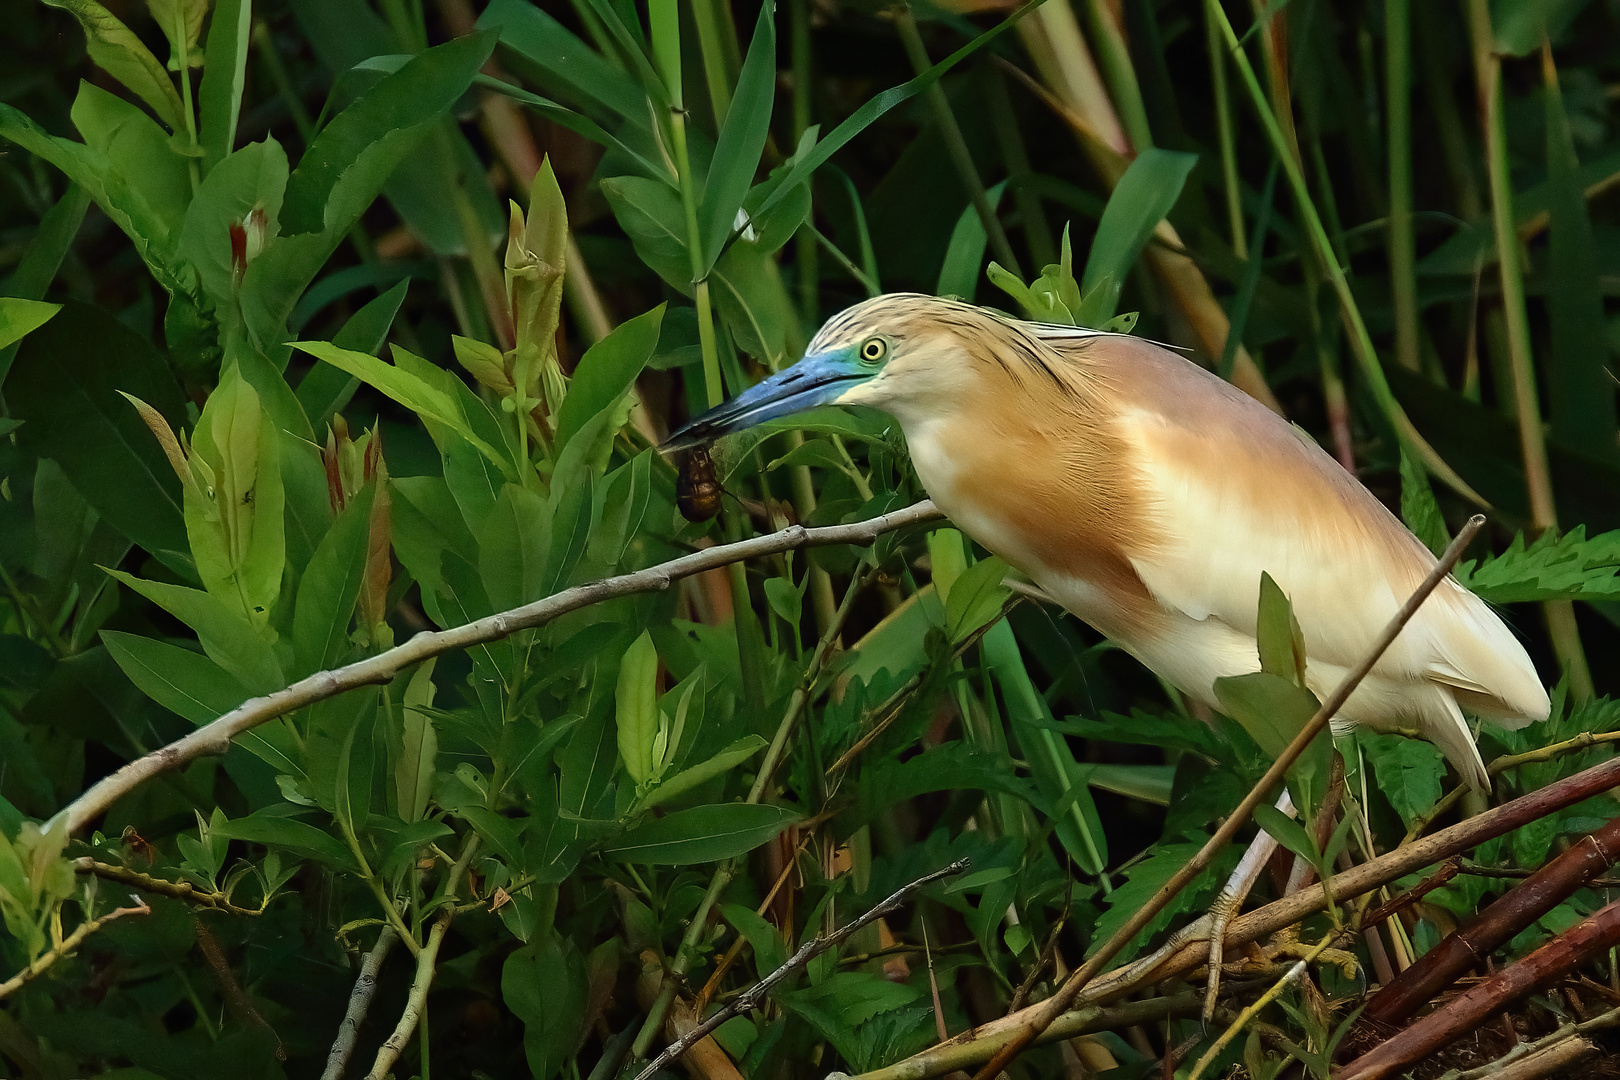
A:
(215, 737)
(68, 945)
(359, 1001)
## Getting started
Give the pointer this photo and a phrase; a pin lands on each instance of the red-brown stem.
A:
(1463, 1014)
(1465, 947)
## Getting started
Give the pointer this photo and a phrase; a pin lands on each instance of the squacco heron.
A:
(1146, 496)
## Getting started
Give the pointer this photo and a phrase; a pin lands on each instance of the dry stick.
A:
(971, 1048)
(1060, 1002)
(1535, 1050)
(214, 737)
(1485, 932)
(359, 1002)
(750, 999)
(1462, 1014)
(69, 943)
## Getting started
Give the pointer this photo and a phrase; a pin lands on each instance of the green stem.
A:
(1115, 59)
(1355, 327)
(1561, 626)
(1402, 247)
(715, 75)
(1227, 138)
(957, 146)
(1037, 233)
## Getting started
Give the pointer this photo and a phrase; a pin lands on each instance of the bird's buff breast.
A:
(1002, 497)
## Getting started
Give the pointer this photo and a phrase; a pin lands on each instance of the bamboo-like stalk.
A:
(1402, 246)
(1560, 614)
(1226, 136)
(1126, 92)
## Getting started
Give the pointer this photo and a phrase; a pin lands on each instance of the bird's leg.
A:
(1230, 900)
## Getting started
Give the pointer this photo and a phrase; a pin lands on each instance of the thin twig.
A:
(68, 945)
(750, 999)
(183, 891)
(214, 737)
(1061, 1001)
(359, 1002)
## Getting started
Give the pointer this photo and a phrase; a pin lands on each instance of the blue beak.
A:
(816, 380)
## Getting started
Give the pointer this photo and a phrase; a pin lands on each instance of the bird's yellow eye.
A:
(873, 350)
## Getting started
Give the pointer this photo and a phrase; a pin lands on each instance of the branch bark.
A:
(1484, 933)
(215, 737)
(1464, 1013)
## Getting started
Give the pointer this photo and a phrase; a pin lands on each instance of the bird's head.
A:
(895, 352)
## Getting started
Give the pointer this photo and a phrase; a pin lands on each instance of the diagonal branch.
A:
(1064, 999)
(215, 736)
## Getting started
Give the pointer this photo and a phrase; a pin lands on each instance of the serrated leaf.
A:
(1553, 568)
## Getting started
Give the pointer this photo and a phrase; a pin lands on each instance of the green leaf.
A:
(226, 635)
(607, 371)
(199, 690)
(650, 213)
(544, 986)
(409, 390)
(1552, 568)
(1408, 771)
(115, 49)
(513, 542)
(237, 528)
(413, 771)
(567, 61)
(1062, 779)
(357, 759)
(976, 597)
(422, 89)
(702, 834)
(290, 834)
(964, 255)
(1273, 710)
(625, 498)
(1581, 375)
(1518, 27)
(346, 166)
(330, 587)
(1419, 510)
(770, 951)
(20, 317)
(1288, 832)
(1281, 642)
(637, 708)
(253, 179)
(219, 99)
(1141, 199)
(687, 779)
(1144, 879)
(74, 415)
(325, 388)
(742, 140)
